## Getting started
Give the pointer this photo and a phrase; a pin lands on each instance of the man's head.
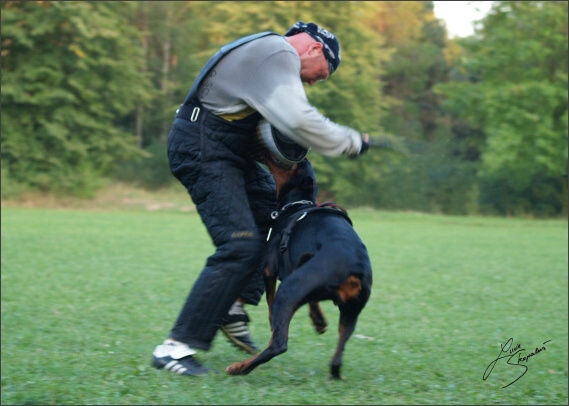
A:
(319, 51)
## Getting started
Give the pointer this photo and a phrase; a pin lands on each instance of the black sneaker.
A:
(235, 329)
(177, 357)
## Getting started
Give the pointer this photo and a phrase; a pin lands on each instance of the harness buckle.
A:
(195, 114)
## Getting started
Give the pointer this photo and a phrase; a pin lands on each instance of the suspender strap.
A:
(224, 50)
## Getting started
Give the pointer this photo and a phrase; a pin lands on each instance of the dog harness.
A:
(284, 226)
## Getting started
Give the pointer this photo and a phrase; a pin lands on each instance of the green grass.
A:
(86, 296)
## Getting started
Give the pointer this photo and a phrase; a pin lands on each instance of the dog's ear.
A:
(308, 178)
(301, 185)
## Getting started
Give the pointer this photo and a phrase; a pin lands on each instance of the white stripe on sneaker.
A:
(175, 367)
(237, 329)
(179, 369)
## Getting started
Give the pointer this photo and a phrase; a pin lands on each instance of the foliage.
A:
(171, 39)
(10, 188)
(517, 95)
(427, 180)
(87, 295)
(418, 62)
(150, 171)
(70, 72)
(89, 90)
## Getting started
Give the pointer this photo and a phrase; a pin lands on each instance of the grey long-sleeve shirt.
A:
(264, 75)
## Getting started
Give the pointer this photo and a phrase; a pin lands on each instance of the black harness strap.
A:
(285, 263)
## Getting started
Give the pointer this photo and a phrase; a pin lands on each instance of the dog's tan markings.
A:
(280, 175)
(350, 289)
(236, 368)
(270, 289)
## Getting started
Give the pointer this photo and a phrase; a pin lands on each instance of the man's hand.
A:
(363, 148)
(365, 144)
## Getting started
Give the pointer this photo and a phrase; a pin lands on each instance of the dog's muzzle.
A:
(282, 150)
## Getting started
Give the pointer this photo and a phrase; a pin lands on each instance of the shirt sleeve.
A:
(276, 91)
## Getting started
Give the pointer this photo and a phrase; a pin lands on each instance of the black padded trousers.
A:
(234, 196)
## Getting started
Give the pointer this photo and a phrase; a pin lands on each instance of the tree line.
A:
(90, 89)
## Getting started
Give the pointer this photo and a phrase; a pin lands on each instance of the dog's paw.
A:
(335, 372)
(237, 368)
(321, 328)
(320, 323)
(232, 369)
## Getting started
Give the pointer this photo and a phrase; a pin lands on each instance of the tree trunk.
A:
(166, 55)
(143, 25)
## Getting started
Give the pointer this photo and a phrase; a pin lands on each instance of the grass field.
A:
(87, 295)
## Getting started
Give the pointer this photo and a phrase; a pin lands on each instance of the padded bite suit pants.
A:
(234, 196)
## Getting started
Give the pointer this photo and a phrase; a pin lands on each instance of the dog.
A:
(317, 255)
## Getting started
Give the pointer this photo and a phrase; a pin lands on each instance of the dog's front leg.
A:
(283, 311)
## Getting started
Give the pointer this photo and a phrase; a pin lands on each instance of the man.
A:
(209, 150)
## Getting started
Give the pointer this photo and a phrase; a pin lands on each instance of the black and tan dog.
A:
(316, 254)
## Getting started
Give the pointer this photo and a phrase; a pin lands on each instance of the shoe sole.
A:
(239, 344)
(177, 368)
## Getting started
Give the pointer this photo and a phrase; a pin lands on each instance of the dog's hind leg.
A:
(349, 313)
(317, 316)
(345, 329)
(353, 301)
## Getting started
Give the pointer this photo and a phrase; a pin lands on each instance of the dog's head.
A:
(294, 184)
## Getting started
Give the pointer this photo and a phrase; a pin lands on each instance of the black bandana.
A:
(329, 40)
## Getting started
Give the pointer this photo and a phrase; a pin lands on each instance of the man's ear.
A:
(316, 47)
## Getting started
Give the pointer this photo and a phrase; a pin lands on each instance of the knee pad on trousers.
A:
(245, 251)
